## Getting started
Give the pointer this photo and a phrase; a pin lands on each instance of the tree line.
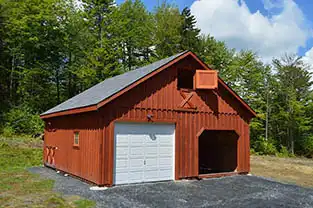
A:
(51, 50)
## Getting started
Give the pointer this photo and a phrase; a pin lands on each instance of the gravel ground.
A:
(234, 191)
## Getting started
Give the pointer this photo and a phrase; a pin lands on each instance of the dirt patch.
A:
(291, 170)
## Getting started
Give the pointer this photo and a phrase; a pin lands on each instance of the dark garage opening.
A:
(217, 151)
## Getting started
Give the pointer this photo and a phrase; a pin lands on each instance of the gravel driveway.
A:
(234, 191)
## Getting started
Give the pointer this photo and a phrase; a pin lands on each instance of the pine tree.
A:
(189, 33)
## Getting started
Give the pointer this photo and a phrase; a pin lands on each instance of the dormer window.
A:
(185, 78)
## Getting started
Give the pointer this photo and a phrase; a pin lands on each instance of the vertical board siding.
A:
(160, 97)
(82, 161)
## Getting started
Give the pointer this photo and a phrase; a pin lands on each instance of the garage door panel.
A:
(166, 144)
(135, 176)
(135, 163)
(128, 176)
(122, 140)
(165, 174)
(137, 140)
(151, 151)
(144, 154)
(165, 151)
(121, 177)
(151, 162)
(151, 174)
(136, 151)
(122, 163)
(123, 151)
(166, 169)
(165, 161)
(154, 144)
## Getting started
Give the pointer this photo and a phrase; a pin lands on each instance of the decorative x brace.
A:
(187, 97)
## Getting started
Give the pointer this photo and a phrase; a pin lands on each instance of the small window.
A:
(185, 78)
(76, 138)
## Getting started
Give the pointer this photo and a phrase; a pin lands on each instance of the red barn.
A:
(170, 120)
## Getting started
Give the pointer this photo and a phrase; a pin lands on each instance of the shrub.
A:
(253, 152)
(8, 131)
(21, 120)
(283, 152)
(265, 147)
(307, 146)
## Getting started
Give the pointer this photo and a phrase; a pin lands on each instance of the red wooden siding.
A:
(82, 161)
(160, 97)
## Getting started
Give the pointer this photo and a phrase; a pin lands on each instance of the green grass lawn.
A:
(20, 188)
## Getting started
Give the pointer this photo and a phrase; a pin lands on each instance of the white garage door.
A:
(143, 152)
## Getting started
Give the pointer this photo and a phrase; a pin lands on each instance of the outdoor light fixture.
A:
(149, 116)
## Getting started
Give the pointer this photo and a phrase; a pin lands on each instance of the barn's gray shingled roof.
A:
(109, 87)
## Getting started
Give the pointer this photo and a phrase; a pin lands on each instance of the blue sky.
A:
(269, 27)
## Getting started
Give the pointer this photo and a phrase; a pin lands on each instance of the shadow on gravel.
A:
(234, 191)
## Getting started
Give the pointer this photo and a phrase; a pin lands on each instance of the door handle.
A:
(144, 162)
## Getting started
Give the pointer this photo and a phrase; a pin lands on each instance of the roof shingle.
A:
(109, 87)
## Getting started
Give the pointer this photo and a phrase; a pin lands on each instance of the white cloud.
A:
(271, 4)
(308, 59)
(231, 21)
